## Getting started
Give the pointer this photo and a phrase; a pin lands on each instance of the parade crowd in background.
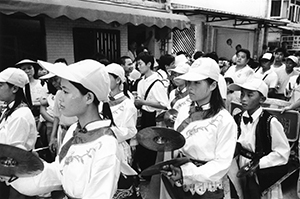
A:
(82, 120)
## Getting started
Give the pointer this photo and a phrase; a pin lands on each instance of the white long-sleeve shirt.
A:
(157, 93)
(212, 140)
(125, 117)
(88, 171)
(19, 129)
(279, 146)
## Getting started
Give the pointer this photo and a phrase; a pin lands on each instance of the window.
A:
(276, 8)
(21, 37)
(92, 43)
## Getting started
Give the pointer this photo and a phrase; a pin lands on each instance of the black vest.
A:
(263, 141)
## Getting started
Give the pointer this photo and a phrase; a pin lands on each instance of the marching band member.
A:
(17, 124)
(179, 97)
(89, 162)
(125, 117)
(210, 133)
(264, 148)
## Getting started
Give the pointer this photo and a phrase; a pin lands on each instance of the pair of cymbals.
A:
(160, 139)
(16, 162)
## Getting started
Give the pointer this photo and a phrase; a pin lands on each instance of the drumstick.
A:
(40, 149)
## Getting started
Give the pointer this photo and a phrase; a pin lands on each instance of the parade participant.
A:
(261, 139)
(34, 90)
(210, 135)
(125, 117)
(88, 163)
(123, 110)
(279, 55)
(267, 74)
(179, 96)
(152, 99)
(17, 124)
(284, 74)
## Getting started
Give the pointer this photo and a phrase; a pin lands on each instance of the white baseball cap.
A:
(89, 73)
(179, 59)
(49, 75)
(181, 68)
(253, 84)
(117, 70)
(267, 56)
(293, 58)
(14, 76)
(202, 68)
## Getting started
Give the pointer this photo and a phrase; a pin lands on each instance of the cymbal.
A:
(16, 162)
(170, 116)
(160, 139)
(155, 169)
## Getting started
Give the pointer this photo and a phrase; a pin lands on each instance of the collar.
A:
(117, 96)
(204, 107)
(10, 105)
(97, 124)
(151, 77)
(255, 115)
(266, 72)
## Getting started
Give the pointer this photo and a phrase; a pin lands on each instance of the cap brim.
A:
(47, 76)
(235, 87)
(60, 70)
(191, 77)
(2, 78)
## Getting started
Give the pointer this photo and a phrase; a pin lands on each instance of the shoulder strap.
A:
(265, 76)
(149, 88)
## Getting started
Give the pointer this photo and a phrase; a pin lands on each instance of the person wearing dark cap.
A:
(17, 124)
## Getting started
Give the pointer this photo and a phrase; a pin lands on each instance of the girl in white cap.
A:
(89, 162)
(210, 133)
(125, 116)
(17, 124)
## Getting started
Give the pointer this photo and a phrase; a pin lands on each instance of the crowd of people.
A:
(84, 118)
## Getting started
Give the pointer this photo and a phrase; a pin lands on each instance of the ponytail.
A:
(107, 114)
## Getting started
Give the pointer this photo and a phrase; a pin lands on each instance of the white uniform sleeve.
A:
(280, 147)
(45, 182)
(126, 129)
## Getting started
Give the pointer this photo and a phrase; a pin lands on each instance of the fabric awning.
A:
(95, 10)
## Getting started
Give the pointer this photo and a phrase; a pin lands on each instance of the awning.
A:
(213, 15)
(96, 10)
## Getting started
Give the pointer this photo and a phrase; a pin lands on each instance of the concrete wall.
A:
(59, 37)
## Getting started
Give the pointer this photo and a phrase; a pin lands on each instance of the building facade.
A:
(79, 29)
(220, 26)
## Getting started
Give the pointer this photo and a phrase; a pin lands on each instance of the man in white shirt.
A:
(152, 99)
(267, 74)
